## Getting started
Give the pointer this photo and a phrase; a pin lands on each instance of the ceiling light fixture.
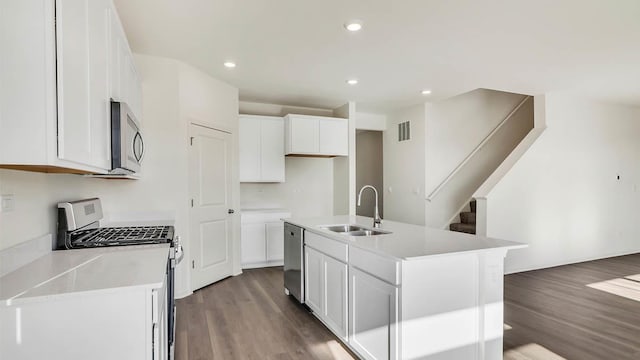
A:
(353, 25)
(229, 64)
(426, 92)
(352, 81)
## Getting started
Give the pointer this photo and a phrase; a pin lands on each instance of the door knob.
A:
(231, 211)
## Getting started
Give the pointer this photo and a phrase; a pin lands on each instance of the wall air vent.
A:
(404, 131)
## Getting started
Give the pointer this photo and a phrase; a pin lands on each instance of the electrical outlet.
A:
(7, 203)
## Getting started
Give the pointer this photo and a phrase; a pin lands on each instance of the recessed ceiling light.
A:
(352, 81)
(229, 64)
(426, 92)
(353, 25)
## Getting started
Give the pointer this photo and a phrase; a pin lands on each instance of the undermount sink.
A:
(366, 232)
(343, 228)
(354, 230)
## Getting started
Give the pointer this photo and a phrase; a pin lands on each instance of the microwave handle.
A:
(138, 136)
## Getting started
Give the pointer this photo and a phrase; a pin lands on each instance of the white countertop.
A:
(406, 241)
(264, 210)
(65, 272)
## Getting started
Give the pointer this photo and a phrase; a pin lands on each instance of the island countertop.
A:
(405, 241)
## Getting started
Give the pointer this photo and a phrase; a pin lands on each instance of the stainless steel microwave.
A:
(127, 145)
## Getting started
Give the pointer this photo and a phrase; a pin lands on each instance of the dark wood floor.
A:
(249, 317)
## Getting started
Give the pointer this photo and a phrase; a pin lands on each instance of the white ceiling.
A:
(297, 52)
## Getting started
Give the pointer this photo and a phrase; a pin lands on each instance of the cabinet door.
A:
(334, 137)
(131, 84)
(82, 34)
(253, 243)
(314, 279)
(159, 314)
(275, 241)
(117, 45)
(304, 135)
(125, 83)
(335, 288)
(27, 82)
(249, 144)
(272, 150)
(373, 315)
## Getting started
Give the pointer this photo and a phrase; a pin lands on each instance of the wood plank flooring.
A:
(250, 317)
(555, 309)
(552, 314)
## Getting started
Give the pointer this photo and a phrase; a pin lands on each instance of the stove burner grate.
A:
(122, 235)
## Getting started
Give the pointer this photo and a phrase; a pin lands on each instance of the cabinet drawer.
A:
(384, 268)
(330, 247)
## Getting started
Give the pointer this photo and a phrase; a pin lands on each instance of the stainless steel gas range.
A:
(78, 228)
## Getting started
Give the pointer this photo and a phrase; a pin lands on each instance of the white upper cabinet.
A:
(303, 134)
(261, 142)
(334, 138)
(58, 78)
(82, 43)
(125, 83)
(316, 135)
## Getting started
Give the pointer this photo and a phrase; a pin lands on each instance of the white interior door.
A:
(210, 221)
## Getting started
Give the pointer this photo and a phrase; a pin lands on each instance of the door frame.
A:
(234, 197)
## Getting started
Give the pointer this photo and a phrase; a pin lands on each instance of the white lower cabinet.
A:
(253, 243)
(373, 325)
(326, 290)
(274, 241)
(262, 238)
(159, 323)
(124, 323)
(336, 287)
(314, 279)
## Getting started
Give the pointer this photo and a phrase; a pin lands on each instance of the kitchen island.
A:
(409, 292)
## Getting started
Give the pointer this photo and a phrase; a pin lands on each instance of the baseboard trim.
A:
(549, 266)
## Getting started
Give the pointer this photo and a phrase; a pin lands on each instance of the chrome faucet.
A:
(376, 219)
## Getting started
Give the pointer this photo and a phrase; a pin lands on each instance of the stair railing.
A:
(435, 192)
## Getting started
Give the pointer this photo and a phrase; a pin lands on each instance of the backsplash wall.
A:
(306, 192)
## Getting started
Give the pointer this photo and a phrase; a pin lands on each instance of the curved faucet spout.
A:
(376, 219)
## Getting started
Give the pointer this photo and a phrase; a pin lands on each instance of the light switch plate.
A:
(7, 202)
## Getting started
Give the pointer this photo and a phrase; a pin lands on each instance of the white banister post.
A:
(481, 216)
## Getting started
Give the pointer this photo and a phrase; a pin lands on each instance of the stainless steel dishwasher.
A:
(294, 261)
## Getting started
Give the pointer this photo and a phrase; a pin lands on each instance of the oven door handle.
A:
(179, 253)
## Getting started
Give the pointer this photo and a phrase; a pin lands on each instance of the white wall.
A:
(457, 125)
(404, 167)
(446, 201)
(369, 170)
(344, 167)
(255, 108)
(371, 121)
(307, 191)
(212, 103)
(563, 197)
(162, 192)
